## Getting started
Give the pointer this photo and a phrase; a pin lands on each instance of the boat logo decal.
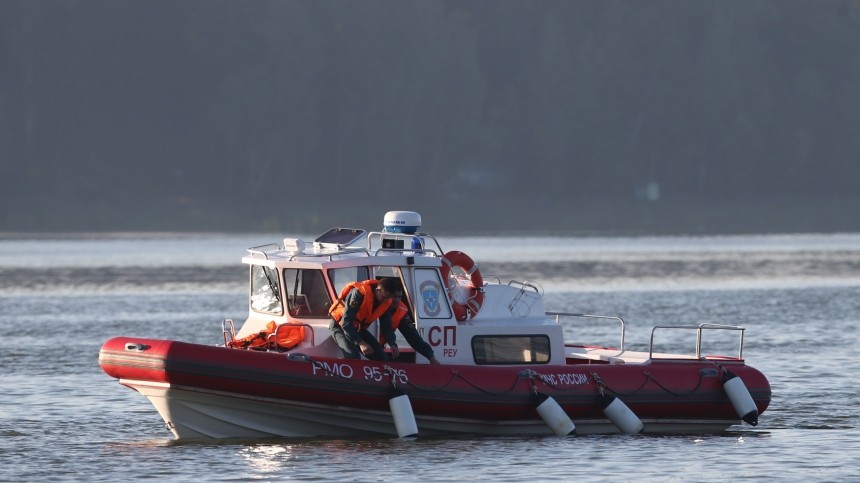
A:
(430, 291)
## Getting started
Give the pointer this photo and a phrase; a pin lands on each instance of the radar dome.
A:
(401, 222)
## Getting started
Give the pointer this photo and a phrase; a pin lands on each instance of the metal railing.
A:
(558, 315)
(312, 249)
(229, 330)
(529, 293)
(699, 332)
(259, 249)
(376, 239)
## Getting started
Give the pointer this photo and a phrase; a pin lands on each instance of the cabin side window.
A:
(307, 295)
(265, 291)
(511, 349)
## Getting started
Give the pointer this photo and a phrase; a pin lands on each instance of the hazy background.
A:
(614, 117)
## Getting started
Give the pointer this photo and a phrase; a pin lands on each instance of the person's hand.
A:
(395, 352)
(365, 349)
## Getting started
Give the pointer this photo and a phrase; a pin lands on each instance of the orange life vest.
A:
(399, 312)
(398, 315)
(366, 313)
(288, 336)
(257, 340)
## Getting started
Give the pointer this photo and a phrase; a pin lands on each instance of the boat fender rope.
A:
(601, 385)
(454, 375)
(388, 370)
(527, 373)
(679, 394)
(648, 377)
(598, 381)
(467, 381)
(457, 374)
(534, 375)
(534, 386)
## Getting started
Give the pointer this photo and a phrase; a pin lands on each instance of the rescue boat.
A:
(505, 367)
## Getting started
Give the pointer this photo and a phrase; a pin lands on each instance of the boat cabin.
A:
(465, 320)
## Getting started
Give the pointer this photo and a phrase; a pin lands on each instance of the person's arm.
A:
(351, 305)
(413, 338)
(387, 331)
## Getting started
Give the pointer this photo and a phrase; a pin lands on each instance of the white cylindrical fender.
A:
(404, 418)
(554, 416)
(740, 397)
(620, 415)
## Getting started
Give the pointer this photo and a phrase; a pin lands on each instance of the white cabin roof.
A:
(298, 253)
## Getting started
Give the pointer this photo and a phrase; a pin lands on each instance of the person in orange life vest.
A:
(365, 302)
(402, 320)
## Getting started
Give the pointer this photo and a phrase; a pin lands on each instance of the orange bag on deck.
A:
(288, 336)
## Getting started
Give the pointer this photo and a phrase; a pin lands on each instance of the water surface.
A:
(797, 295)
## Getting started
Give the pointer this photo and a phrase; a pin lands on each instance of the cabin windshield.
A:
(307, 295)
(265, 291)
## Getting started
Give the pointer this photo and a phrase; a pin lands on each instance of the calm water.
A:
(798, 296)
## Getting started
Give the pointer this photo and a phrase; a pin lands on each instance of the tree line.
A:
(272, 114)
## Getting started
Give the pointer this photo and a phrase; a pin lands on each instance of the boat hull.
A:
(213, 392)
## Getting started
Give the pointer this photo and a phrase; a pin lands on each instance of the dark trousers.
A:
(350, 348)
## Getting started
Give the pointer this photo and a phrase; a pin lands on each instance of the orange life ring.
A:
(465, 289)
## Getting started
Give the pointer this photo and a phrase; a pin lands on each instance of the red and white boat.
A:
(505, 366)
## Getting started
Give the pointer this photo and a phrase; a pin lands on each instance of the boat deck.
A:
(602, 355)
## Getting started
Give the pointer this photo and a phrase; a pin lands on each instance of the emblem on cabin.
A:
(430, 295)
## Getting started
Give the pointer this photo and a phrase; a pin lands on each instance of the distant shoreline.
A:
(479, 217)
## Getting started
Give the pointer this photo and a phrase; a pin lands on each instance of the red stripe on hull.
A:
(664, 389)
